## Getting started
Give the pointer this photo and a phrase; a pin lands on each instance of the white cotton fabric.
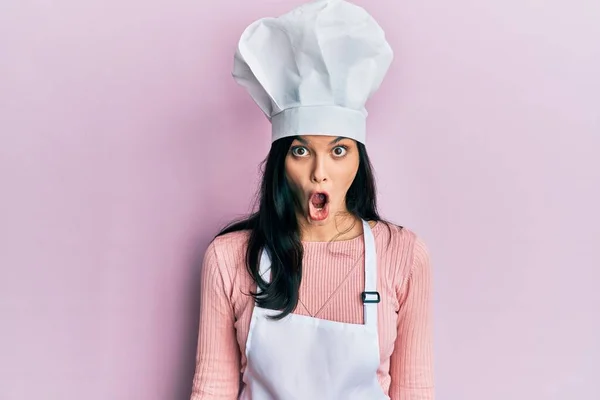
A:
(312, 69)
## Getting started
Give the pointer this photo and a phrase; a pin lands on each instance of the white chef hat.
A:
(312, 69)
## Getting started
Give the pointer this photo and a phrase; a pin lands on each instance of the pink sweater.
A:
(333, 277)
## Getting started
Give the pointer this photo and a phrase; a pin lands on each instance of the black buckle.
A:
(366, 300)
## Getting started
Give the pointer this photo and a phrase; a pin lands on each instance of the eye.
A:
(340, 151)
(299, 151)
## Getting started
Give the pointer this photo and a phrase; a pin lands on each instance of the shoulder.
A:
(400, 238)
(231, 243)
(226, 254)
(400, 247)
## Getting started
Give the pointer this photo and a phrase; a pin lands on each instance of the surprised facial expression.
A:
(320, 170)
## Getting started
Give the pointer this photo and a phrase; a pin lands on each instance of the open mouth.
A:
(318, 206)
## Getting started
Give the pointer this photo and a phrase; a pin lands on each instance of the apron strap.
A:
(370, 296)
(264, 267)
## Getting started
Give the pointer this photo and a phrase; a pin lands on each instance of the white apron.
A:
(305, 358)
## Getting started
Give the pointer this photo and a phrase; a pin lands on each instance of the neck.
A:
(341, 227)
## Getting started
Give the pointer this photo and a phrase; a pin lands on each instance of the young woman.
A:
(314, 296)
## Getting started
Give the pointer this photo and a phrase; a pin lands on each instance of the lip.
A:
(315, 214)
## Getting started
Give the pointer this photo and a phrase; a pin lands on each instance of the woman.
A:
(314, 296)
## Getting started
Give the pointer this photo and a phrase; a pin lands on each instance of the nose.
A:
(319, 171)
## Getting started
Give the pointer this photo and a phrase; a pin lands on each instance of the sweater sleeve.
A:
(217, 358)
(411, 364)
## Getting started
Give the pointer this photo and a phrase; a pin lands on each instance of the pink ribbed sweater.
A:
(332, 280)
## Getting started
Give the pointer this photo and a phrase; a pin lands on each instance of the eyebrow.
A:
(303, 141)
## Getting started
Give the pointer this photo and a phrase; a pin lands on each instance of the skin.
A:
(324, 163)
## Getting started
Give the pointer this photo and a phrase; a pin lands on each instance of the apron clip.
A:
(367, 297)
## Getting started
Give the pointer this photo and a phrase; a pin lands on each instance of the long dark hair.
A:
(275, 227)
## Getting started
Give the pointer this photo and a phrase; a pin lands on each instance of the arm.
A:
(217, 357)
(411, 364)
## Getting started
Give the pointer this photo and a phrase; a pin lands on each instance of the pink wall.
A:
(126, 144)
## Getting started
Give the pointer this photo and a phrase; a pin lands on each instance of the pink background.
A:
(125, 145)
